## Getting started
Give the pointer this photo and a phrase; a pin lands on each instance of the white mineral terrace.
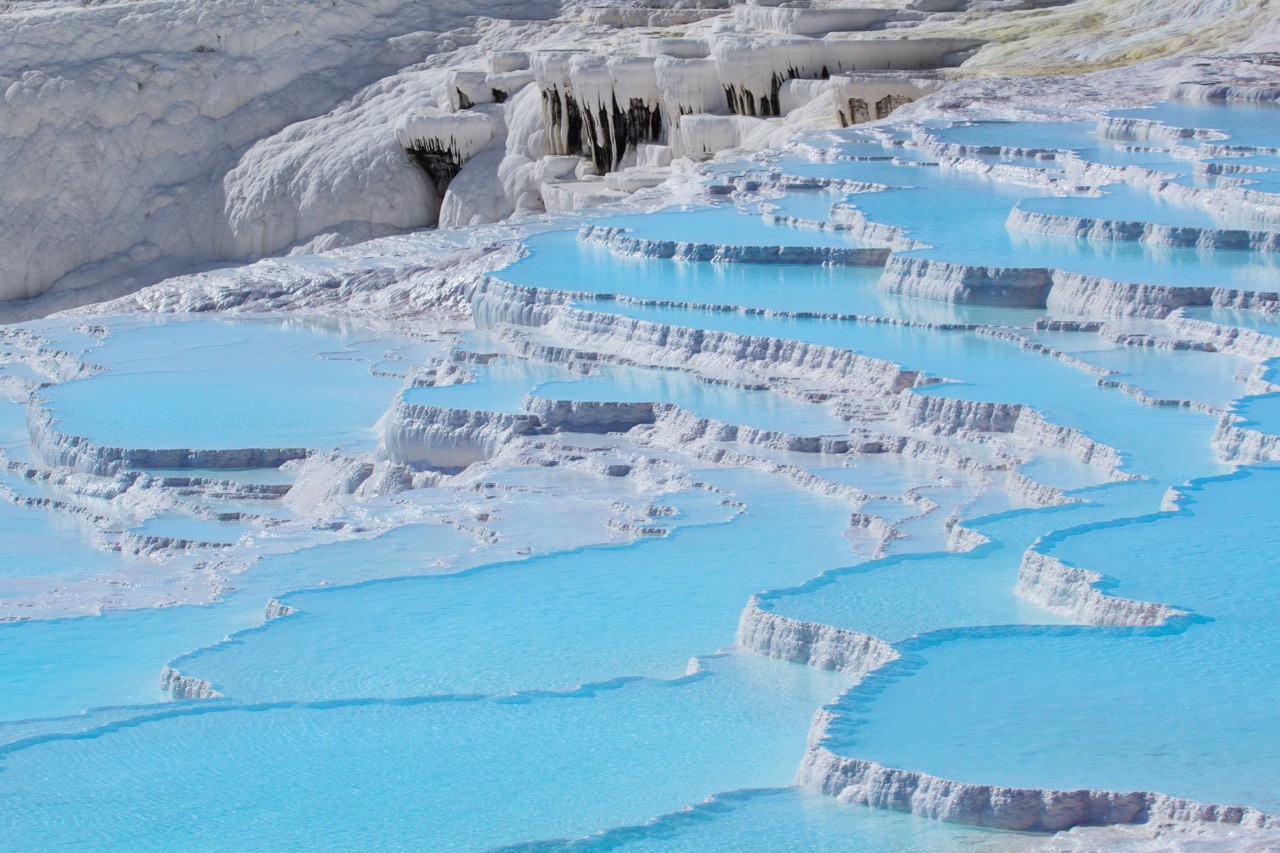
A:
(681, 425)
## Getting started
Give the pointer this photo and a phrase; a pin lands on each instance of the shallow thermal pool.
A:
(230, 384)
(601, 640)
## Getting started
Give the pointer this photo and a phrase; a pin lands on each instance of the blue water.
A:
(1133, 204)
(1244, 124)
(1077, 138)
(575, 623)
(987, 369)
(494, 661)
(497, 387)
(961, 216)
(726, 403)
(723, 225)
(217, 384)
(808, 205)
(902, 597)
(786, 287)
(1185, 710)
(26, 555)
(335, 774)
(801, 288)
(178, 526)
(1029, 135)
(504, 385)
(787, 819)
(64, 666)
(1212, 378)
(1265, 181)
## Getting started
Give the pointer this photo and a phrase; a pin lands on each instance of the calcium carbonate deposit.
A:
(658, 425)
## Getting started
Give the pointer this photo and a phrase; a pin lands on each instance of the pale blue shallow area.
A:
(26, 534)
(58, 667)
(558, 260)
(798, 288)
(985, 369)
(784, 819)
(961, 216)
(1246, 124)
(784, 287)
(427, 694)
(505, 384)
(219, 384)
(1044, 137)
(1267, 181)
(576, 622)
(1185, 710)
(463, 774)
(1261, 413)
(499, 386)
(901, 597)
(1124, 203)
(66, 666)
(723, 225)
(1213, 378)
(725, 403)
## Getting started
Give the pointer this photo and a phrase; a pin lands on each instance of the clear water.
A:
(1079, 139)
(785, 287)
(504, 385)
(961, 216)
(799, 288)
(574, 625)
(489, 663)
(723, 225)
(497, 387)
(902, 597)
(219, 384)
(333, 774)
(807, 205)
(1244, 124)
(1186, 710)
(61, 667)
(178, 526)
(1267, 181)
(26, 555)
(13, 424)
(986, 369)
(789, 819)
(725, 403)
(1212, 378)
(1124, 203)
(1029, 135)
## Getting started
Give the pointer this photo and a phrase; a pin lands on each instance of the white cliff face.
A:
(196, 142)
(123, 122)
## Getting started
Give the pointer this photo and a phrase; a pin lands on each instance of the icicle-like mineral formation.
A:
(441, 144)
